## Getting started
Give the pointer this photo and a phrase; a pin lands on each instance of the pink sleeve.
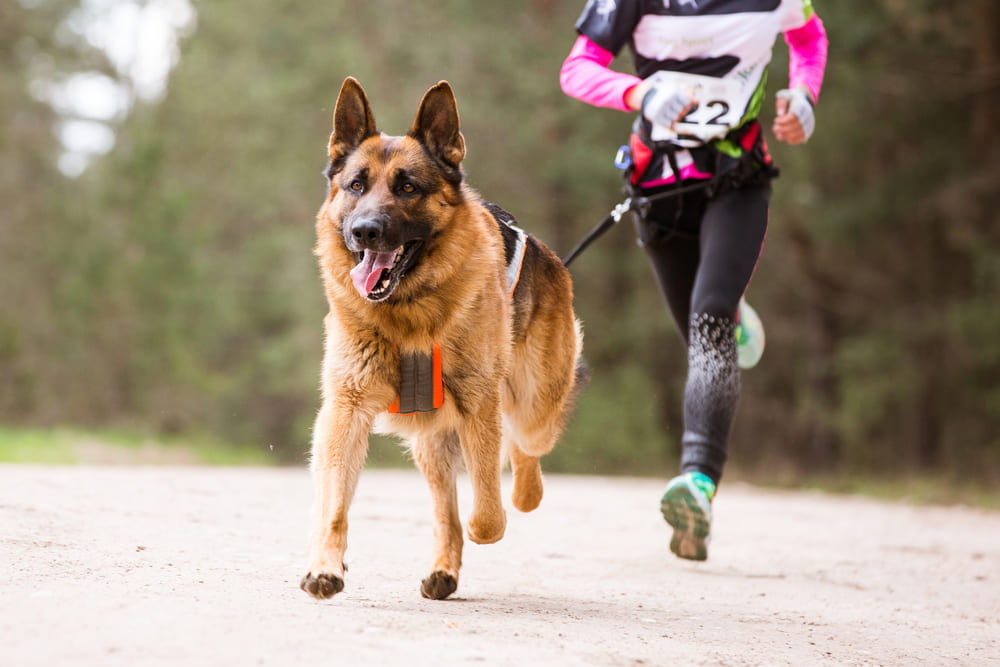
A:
(585, 76)
(807, 55)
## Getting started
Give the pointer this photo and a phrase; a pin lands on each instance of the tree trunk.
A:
(986, 68)
(823, 450)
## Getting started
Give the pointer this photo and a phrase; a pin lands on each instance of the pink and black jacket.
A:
(728, 39)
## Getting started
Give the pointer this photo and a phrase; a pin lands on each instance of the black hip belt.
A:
(740, 159)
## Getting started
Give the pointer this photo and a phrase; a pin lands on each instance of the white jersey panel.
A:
(749, 37)
(795, 14)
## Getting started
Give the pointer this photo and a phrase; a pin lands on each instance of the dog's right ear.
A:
(353, 122)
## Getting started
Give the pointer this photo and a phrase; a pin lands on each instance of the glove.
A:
(664, 105)
(801, 106)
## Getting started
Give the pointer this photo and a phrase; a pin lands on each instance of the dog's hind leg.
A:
(539, 398)
(338, 454)
(527, 493)
(526, 447)
(438, 460)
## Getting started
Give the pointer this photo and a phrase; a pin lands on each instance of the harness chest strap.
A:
(421, 387)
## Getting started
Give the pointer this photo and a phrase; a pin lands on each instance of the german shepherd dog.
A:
(448, 327)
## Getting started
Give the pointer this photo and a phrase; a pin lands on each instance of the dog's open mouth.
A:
(377, 274)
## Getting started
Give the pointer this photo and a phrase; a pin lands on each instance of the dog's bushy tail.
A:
(581, 378)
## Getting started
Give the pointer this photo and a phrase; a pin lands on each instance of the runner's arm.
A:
(807, 47)
(585, 75)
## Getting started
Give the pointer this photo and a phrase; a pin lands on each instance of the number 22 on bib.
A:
(719, 105)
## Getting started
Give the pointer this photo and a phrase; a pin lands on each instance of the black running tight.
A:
(703, 253)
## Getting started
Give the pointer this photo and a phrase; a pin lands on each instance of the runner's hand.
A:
(665, 106)
(795, 121)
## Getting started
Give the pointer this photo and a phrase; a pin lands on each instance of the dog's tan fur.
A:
(508, 363)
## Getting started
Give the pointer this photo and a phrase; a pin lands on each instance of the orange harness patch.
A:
(421, 388)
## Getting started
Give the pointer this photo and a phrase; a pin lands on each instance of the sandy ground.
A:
(200, 566)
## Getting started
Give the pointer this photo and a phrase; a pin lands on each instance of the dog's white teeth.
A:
(384, 284)
(399, 252)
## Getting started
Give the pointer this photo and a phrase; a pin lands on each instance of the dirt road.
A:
(200, 566)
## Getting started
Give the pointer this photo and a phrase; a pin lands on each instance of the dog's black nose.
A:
(368, 232)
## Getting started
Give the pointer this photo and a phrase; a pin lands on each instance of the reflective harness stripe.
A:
(515, 264)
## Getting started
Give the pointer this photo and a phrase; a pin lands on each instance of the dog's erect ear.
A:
(436, 125)
(353, 122)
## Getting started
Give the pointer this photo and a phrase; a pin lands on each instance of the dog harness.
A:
(421, 387)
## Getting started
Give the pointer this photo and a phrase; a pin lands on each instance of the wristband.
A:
(800, 104)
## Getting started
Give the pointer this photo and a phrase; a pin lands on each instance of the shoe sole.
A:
(691, 526)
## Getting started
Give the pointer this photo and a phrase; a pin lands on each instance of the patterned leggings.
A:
(703, 256)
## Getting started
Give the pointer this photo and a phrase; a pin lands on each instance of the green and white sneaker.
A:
(687, 506)
(749, 336)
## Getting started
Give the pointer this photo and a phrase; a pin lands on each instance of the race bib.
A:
(719, 107)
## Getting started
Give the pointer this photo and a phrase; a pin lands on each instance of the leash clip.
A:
(612, 219)
(623, 158)
(621, 209)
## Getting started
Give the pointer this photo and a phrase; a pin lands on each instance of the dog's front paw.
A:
(438, 585)
(487, 529)
(321, 586)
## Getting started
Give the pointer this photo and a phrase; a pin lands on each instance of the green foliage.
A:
(64, 446)
(172, 285)
(615, 429)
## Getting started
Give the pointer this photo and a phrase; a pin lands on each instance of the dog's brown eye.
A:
(409, 188)
(357, 186)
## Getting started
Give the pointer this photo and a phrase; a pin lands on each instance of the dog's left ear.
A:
(436, 125)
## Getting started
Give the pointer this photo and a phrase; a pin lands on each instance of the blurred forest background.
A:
(156, 272)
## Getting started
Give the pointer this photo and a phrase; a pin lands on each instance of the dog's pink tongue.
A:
(367, 274)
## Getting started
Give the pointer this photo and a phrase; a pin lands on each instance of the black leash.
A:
(637, 203)
(616, 214)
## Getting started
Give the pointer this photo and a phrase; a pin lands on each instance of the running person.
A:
(702, 67)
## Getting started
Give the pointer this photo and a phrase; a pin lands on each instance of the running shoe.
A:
(749, 336)
(687, 506)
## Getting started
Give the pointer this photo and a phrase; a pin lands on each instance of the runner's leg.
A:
(732, 233)
(672, 247)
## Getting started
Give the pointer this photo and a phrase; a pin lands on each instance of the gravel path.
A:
(200, 566)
